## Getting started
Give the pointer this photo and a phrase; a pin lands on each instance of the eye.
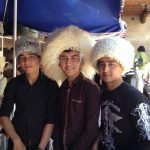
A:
(31, 57)
(75, 58)
(63, 59)
(111, 64)
(101, 64)
(21, 58)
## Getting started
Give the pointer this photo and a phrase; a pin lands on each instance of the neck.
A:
(32, 78)
(71, 79)
(113, 85)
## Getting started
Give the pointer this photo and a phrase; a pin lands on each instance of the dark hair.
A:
(141, 49)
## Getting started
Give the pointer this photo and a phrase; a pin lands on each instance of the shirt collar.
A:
(76, 82)
(40, 77)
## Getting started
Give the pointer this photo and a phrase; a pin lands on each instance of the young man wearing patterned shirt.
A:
(125, 111)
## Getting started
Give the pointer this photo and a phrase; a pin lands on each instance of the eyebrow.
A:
(106, 61)
(71, 56)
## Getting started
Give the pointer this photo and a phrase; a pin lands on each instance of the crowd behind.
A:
(82, 94)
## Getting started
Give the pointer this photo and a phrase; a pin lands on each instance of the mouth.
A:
(27, 67)
(69, 68)
(106, 76)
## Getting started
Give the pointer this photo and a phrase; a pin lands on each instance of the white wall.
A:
(138, 33)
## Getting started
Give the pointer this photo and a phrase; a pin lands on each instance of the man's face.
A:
(110, 70)
(29, 62)
(70, 63)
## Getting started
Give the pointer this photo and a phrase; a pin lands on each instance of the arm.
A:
(51, 114)
(140, 146)
(47, 132)
(5, 110)
(96, 144)
(146, 74)
(91, 130)
(140, 116)
(10, 131)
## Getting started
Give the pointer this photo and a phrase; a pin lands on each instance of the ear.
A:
(81, 64)
(39, 58)
(59, 65)
(18, 63)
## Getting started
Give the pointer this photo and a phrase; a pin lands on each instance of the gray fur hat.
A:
(116, 48)
(27, 44)
(65, 38)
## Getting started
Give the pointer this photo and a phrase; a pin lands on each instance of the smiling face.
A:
(110, 71)
(70, 63)
(29, 62)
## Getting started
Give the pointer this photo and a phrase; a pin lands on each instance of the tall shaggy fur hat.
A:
(62, 39)
(2, 64)
(116, 48)
(27, 44)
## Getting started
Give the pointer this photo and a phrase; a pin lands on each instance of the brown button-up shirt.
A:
(78, 114)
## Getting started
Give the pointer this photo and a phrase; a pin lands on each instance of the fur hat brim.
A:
(60, 40)
(116, 48)
(27, 44)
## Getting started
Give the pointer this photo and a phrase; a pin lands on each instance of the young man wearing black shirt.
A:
(35, 97)
(125, 111)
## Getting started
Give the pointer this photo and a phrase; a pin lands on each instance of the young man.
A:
(79, 97)
(35, 97)
(125, 110)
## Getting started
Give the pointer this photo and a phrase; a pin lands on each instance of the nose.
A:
(106, 67)
(68, 61)
(26, 59)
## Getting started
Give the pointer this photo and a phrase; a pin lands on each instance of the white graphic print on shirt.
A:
(108, 120)
(143, 123)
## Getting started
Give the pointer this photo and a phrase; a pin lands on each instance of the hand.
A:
(95, 146)
(39, 148)
(18, 145)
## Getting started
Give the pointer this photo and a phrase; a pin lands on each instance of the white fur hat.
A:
(65, 38)
(117, 48)
(27, 44)
(2, 64)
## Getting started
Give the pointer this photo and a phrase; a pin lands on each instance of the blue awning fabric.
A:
(95, 16)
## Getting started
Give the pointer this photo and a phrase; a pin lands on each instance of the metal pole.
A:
(2, 42)
(2, 46)
(15, 37)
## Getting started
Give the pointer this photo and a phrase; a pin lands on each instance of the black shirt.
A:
(35, 106)
(125, 119)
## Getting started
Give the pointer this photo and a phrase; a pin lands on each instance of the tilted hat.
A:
(62, 39)
(116, 48)
(27, 44)
(2, 63)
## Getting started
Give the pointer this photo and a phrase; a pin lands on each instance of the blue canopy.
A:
(96, 16)
(2, 7)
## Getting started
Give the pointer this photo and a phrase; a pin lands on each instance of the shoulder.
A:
(13, 83)
(90, 84)
(16, 79)
(49, 82)
(130, 90)
(133, 97)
